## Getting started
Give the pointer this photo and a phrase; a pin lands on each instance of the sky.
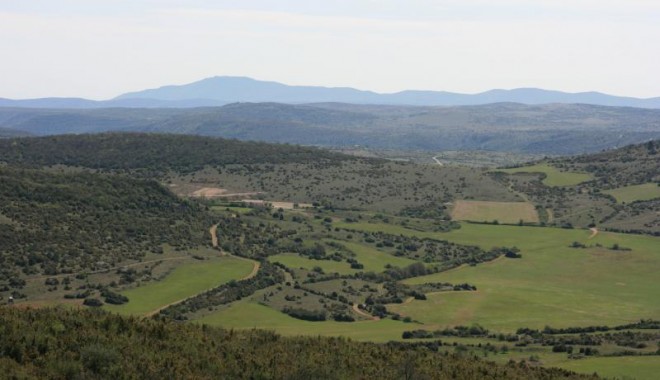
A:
(100, 49)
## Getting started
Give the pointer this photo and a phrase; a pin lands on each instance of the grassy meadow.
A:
(486, 211)
(634, 193)
(551, 284)
(292, 260)
(373, 259)
(248, 314)
(554, 177)
(184, 281)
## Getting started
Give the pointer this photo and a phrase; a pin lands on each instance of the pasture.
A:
(292, 260)
(248, 314)
(553, 176)
(634, 193)
(185, 281)
(551, 284)
(373, 259)
(629, 367)
(503, 212)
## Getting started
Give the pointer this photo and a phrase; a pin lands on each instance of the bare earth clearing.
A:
(277, 204)
(216, 192)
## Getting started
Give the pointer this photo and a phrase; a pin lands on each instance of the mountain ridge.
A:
(220, 90)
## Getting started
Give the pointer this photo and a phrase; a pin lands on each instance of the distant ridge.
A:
(220, 90)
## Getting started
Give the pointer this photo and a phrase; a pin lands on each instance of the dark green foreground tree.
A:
(91, 344)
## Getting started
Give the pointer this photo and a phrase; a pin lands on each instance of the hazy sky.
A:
(99, 49)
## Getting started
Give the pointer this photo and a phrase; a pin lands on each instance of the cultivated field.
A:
(634, 193)
(503, 212)
(184, 281)
(554, 177)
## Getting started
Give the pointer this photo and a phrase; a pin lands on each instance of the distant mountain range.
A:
(217, 91)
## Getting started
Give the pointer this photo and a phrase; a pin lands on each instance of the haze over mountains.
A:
(222, 90)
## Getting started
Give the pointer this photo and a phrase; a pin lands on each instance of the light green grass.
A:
(185, 281)
(554, 177)
(373, 259)
(247, 314)
(628, 367)
(635, 193)
(503, 212)
(292, 260)
(551, 285)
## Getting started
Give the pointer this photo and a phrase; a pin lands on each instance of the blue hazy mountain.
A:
(217, 91)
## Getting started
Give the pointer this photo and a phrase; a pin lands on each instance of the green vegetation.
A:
(74, 222)
(153, 154)
(56, 343)
(643, 192)
(552, 284)
(377, 258)
(248, 314)
(632, 367)
(185, 281)
(553, 176)
(502, 212)
(292, 260)
(373, 259)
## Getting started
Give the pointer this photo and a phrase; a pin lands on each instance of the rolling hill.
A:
(504, 127)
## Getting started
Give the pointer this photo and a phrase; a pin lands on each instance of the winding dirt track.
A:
(364, 313)
(214, 236)
(594, 232)
(214, 242)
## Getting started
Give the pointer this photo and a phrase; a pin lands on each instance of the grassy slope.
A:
(292, 260)
(551, 285)
(247, 314)
(185, 281)
(639, 368)
(373, 259)
(633, 193)
(554, 177)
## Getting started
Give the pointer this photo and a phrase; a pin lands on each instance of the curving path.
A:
(364, 313)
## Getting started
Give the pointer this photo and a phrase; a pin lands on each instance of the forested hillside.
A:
(53, 223)
(154, 152)
(59, 343)
(501, 127)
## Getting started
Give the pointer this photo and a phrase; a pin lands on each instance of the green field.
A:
(551, 285)
(248, 314)
(373, 259)
(554, 177)
(185, 281)
(628, 367)
(503, 212)
(292, 260)
(634, 193)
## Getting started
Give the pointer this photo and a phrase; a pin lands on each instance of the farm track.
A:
(214, 236)
(594, 232)
(363, 313)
